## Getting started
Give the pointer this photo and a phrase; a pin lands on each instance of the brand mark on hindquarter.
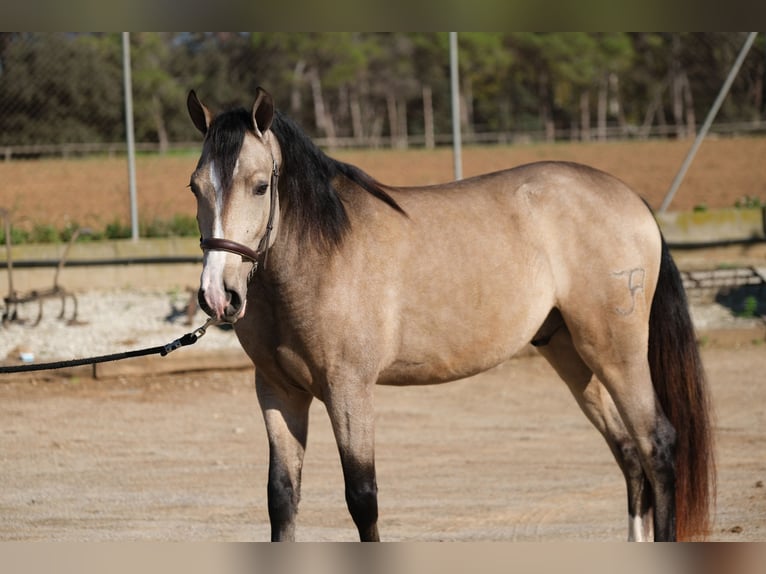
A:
(635, 279)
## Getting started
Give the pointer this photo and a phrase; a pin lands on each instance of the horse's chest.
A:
(294, 366)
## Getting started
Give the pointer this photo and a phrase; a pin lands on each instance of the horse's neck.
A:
(298, 265)
(292, 264)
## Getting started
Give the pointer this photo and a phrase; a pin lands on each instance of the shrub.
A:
(44, 233)
(117, 230)
(177, 226)
(17, 235)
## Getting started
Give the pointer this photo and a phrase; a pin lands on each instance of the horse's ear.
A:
(199, 114)
(263, 111)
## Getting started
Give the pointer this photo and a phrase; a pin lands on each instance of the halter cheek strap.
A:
(263, 245)
(247, 254)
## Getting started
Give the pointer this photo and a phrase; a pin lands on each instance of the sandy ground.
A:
(502, 456)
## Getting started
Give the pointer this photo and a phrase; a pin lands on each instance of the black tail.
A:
(679, 381)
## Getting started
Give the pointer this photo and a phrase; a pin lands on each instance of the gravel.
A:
(107, 322)
(714, 316)
(113, 321)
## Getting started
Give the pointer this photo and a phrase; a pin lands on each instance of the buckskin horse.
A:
(335, 282)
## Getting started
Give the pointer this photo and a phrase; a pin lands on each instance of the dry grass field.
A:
(94, 192)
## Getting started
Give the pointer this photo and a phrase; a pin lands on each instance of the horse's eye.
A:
(261, 188)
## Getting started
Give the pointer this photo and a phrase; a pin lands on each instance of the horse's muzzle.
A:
(233, 310)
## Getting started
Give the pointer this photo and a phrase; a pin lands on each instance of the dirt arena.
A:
(506, 456)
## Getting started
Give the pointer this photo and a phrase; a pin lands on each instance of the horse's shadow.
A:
(187, 311)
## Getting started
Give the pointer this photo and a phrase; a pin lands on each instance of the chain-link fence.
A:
(62, 107)
(63, 94)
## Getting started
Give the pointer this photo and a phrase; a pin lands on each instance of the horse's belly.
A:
(458, 352)
(404, 373)
(449, 335)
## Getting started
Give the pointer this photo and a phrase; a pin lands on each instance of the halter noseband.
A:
(247, 254)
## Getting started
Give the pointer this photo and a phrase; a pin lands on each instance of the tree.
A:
(67, 87)
(387, 84)
(322, 64)
(430, 61)
(61, 88)
(614, 55)
(156, 92)
(484, 64)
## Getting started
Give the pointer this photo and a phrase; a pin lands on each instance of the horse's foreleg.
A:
(286, 417)
(350, 407)
(598, 406)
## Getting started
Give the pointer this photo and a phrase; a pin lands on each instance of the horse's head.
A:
(235, 187)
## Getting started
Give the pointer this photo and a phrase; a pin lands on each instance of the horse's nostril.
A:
(234, 303)
(203, 303)
(226, 304)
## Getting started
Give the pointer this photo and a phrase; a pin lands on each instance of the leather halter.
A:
(247, 254)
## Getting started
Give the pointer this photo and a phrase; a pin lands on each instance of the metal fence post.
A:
(457, 143)
(708, 121)
(128, 84)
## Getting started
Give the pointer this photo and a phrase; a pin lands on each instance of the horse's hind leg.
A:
(286, 416)
(597, 404)
(615, 348)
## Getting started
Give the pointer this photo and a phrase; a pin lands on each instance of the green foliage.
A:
(44, 233)
(17, 235)
(67, 87)
(749, 201)
(58, 88)
(176, 226)
(85, 234)
(185, 226)
(749, 307)
(117, 230)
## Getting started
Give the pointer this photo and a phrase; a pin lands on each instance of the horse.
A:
(335, 282)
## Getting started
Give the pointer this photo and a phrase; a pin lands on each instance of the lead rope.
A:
(162, 350)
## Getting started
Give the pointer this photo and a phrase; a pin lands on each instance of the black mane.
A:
(306, 182)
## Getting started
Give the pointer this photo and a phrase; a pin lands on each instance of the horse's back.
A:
(546, 217)
(550, 200)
